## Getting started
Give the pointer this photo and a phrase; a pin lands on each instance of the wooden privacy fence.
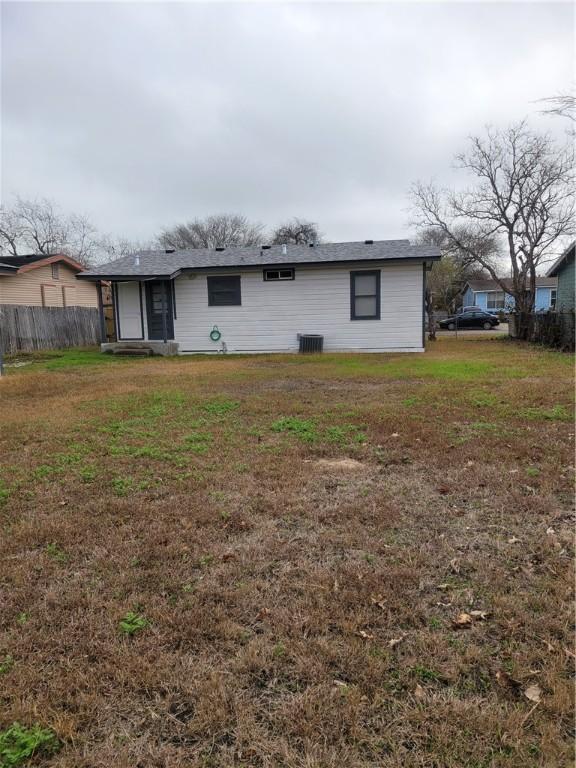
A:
(553, 329)
(25, 329)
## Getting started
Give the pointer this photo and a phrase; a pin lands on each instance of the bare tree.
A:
(522, 202)
(562, 105)
(37, 226)
(223, 229)
(297, 231)
(110, 248)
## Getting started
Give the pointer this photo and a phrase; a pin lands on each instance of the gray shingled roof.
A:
(162, 264)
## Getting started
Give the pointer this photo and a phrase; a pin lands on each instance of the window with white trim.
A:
(553, 298)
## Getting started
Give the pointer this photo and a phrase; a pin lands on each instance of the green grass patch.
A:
(424, 367)
(197, 442)
(220, 407)
(303, 429)
(6, 664)
(556, 413)
(19, 744)
(425, 675)
(55, 553)
(4, 492)
(122, 485)
(78, 358)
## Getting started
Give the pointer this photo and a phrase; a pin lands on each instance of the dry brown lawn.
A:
(334, 561)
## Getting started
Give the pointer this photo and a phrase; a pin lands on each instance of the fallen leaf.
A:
(365, 635)
(443, 586)
(262, 613)
(443, 489)
(514, 540)
(340, 683)
(533, 693)
(462, 621)
(379, 601)
(228, 556)
(419, 692)
(548, 645)
(455, 566)
(396, 641)
(394, 434)
(479, 615)
(550, 531)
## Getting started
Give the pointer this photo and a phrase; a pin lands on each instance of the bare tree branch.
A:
(297, 231)
(521, 204)
(217, 230)
(562, 105)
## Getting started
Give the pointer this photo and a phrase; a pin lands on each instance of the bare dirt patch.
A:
(340, 465)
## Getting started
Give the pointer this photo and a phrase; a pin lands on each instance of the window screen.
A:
(278, 274)
(224, 291)
(365, 295)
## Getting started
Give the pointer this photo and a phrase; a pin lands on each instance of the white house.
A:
(362, 296)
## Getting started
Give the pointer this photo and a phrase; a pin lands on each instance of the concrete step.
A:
(133, 351)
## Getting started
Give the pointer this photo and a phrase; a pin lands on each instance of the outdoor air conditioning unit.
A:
(310, 342)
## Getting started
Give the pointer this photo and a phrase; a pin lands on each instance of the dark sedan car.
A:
(475, 319)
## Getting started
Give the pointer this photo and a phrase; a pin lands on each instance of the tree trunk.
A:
(431, 316)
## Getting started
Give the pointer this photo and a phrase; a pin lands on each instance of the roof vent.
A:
(170, 250)
(284, 249)
(368, 242)
(220, 248)
(137, 260)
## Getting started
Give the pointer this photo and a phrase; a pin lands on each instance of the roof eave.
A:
(182, 270)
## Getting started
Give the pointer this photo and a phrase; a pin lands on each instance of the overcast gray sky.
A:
(143, 115)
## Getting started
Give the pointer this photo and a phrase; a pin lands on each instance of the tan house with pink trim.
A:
(44, 281)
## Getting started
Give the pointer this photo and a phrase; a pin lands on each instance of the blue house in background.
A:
(488, 295)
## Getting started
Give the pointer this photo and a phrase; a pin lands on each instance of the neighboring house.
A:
(44, 306)
(361, 296)
(488, 295)
(563, 271)
(44, 281)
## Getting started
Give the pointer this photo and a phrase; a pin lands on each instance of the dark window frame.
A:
(213, 293)
(353, 296)
(278, 279)
(55, 270)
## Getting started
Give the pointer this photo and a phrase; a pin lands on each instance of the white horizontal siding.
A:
(316, 301)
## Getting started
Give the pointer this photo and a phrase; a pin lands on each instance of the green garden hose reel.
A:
(215, 334)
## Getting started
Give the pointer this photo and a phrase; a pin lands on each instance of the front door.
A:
(160, 310)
